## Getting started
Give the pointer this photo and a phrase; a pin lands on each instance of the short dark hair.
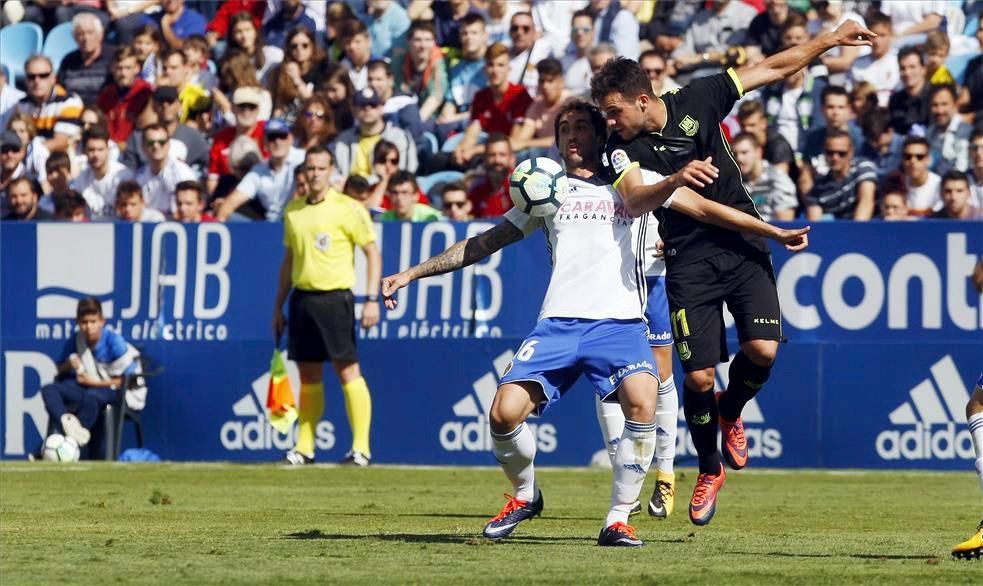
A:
(68, 202)
(156, 126)
(126, 189)
(876, 123)
(31, 184)
(746, 136)
(549, 67)
(834, 90)
(88, 306)
(877, 17)
(356, 185)
(168, 53)
(912, 139)
(351, 27)
(400, 177)
(593, 114)
(57, 160)
(977, 132)
(426, 26)
(946, 87)
(909, 51)
(453, 186)
(473, 18)
(497, 137)
(650, 53)
(189, 185)
(621, 75)
(750, 108)
(833, 133)
(95, 132)
(379, 64)
(584, 13)
(319, 150)
(956, 175)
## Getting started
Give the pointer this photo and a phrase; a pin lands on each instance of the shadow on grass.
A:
(857, 556)
(483, 517)
(452, 538)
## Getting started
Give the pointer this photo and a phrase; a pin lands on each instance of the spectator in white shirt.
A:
(574, 60)
(102, 175)
(921, 185)
(880, 67)
(160, 176)
(131, 207)
(9, 96)
(914, 17)
(526, 51)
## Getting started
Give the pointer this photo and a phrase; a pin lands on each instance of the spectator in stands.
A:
(909, 103)
(838, 60)
(9, 96)
(599, 55)
(269, 184)
(385, 164)
(535, 135)
(921, 185)
(130, 205)
(100, 178)
(302, 185)
(914, 18)
(162, 173)
(336, 17)
(290, 17)
(771, 189)
(500, 13)
(406, 208)
(23, 200)
(58, 168)
(448, 18)
(864, 100)
(617, 26)
(53, 108)
(189, 206)
(466, 77)
(244, 36)
(235, 72)
(196, 53)
(126, 101)
(86, 70)
(147, 45)
(971, 97)
(777, 151)
(976, 162)
(246, 102)
(837, 115)
(936, 52)
(218, 26)
(12, 154)
(354, 146)
(388, 25)
(91, 370)
(398, 107)
(894, 206)
(178, 74)
(315, 123)
(655, 67)
(499, 108)
(341, 94)
(187, 144)
(357, 48)
(880, 67)
(721, 26)
(947, 134)
(422, 71)
(177, 22)
(35, 150)
(303, 70)
(574, 60)
(455, 203)
(847, 190)
(358, 188)
(526, 50)
(765, 29)
(71, 207)
(791, 105)
(956, 196)
(882, 146)
(488, 185)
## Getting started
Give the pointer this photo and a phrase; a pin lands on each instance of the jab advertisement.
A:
(885, 340)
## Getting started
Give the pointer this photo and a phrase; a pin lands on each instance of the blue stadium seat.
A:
(957, 65)
(429, 182)
(59, 42)
(432, 141)
(451, 143)
(17, 43)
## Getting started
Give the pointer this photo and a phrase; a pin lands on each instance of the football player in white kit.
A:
(591, 322)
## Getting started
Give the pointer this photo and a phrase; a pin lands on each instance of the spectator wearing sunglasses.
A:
(455, 203)
(53, 108)
(525, 52)
(575, 62)
(847, 190)
(187, 144)
(654, 66)
(162, 173)
(921, 184)
(245, 106)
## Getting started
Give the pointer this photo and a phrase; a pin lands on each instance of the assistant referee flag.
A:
(281, 410)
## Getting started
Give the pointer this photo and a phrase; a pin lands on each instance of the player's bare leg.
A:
(702, 418)
(749, 371)
(972, 548)
(515, 450)
(667, 412)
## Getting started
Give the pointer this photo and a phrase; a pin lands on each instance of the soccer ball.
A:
(538, 186)
(58, 448)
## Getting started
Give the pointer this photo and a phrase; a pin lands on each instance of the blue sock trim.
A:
(638, 427)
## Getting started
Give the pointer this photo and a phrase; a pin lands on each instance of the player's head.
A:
(580, 131)
(624, 93)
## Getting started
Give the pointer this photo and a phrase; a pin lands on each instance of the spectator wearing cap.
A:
(920, 183)
(617, 26)
(526, 50)
(357, 48)
(388, 24)
(189, 204)
(160, 176)
(246, 102)
(290, 16)
(422, 70)
(98, 181)
(882, 145)
(455, 203)
(908, 104)
(398, 107)
(268, 186)
(55, 110)
(947, 134)
(466, 77)
(404, 190)
(126, 101)
(499, 108)
(131, 207)
(880, 66)
(354, 147)
(178, 22)
(957, 198)
(574, 60)
(178, 74)
(86, 70)
(770, 188)
(9, 96)
(187, 144)
(847, 190)
(535, 137)
(12, 155)
(22, 200)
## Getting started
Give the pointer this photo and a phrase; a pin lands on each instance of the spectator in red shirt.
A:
(245, 101)
(190, 204)
(499, 108)
(126, 102)
(218, 27)
(489, 184)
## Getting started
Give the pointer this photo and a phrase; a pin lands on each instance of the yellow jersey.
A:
(322, 238)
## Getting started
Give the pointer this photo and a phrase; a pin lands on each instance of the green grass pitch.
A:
(97, 523)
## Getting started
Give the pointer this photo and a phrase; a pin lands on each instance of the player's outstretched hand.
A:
(794, 240)
(697, 173)
(390, 285)
(853, 34)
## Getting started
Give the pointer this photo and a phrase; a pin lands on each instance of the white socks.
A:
(631, 464)
(666, 417)
(611, 419)
(976, 429)
(515, 451)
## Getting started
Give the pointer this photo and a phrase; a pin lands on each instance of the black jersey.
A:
(692, 131)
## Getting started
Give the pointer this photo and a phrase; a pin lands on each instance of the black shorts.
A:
(322, 326)
(697, 292)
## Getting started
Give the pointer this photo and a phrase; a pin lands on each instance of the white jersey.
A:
(596, 254)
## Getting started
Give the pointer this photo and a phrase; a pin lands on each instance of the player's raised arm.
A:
(641, 199)
(461, 254)
(781, 65)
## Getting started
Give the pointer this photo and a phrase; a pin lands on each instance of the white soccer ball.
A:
(538, 186)
(58, 448)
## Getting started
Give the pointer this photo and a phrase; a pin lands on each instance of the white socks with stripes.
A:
(515, 451)
(631, 464)
(666, 417)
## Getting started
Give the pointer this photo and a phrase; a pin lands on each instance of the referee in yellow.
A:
(320, 233)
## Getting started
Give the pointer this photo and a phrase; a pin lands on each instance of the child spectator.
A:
(894, 206)
(196, 52)
(130, 206)
(189, 205)
(71, 207)
(59, 170)
(147, 44)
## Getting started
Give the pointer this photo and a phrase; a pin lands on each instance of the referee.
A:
(320, 233)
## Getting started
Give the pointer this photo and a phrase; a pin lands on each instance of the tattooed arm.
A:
(460, 255)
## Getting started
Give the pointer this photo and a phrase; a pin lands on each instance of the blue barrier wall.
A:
(883, 323)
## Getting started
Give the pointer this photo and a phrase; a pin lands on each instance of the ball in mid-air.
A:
(538, 186)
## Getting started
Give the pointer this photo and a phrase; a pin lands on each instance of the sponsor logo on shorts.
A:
(767, 321)
(682, 348)
(643, 366)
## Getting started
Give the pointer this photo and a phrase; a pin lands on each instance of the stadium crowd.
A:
(203, 111)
